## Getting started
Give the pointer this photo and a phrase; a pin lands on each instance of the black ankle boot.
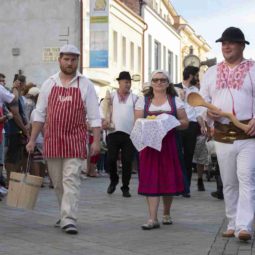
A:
(200, 185)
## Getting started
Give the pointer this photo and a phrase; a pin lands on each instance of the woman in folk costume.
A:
(161, 172)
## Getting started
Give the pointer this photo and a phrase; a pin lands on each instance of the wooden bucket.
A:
(23, 190)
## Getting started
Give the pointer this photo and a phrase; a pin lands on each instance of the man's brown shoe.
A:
(229, 233)
(244, 235)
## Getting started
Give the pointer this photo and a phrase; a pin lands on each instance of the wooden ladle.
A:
(194, 99)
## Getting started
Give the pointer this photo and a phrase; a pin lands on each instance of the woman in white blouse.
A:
(161, 172)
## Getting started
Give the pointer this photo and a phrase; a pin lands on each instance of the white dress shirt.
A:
(5, 96)
(39, 138)
(88, 95)
(192, 112)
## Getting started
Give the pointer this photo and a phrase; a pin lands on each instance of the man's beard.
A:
(68, 71)
(194, 81)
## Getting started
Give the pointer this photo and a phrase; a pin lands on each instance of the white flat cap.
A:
(34, 91)
(69, 49)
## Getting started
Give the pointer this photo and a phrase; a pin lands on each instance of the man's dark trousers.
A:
(189, 138)
(115, 142)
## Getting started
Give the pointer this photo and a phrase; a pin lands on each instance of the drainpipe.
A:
(81, 36)
(146, 27)
(141, 2)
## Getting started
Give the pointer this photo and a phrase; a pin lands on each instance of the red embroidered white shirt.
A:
(231, 90)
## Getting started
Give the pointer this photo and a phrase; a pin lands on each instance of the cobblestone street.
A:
(110, 225)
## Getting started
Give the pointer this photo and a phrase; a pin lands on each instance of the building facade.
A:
(191, 43)
(171, 56)
(138, 36)
(123, 36)
(32, 32)
(162, 49)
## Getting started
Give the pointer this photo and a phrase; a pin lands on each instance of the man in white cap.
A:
(67, 99)
(230, 86)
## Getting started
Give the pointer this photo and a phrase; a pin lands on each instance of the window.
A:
(164, 57)
(170, 65)
(156, 6)
(124, 50)
(149, 55)
(115, 46)
(132, 55)
(168, 19)
(157, 55)
(176, 68)
(139, 68)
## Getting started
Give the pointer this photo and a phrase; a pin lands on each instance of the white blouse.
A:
(164, 107)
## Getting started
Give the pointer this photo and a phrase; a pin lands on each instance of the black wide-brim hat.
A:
(233, 34)
(124, 76)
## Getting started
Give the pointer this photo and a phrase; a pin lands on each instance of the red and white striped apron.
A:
(65, 129)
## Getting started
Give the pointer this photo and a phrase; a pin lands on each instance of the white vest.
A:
(123, 113)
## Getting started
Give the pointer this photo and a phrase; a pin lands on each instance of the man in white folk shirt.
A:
(66, 98)
(230, 86)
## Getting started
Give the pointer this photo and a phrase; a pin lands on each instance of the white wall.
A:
(167, 37)
(32, 25)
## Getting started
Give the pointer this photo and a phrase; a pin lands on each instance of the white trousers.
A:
(65, 176)
(237, 168)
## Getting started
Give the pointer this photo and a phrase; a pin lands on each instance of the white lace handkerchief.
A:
(150, 132)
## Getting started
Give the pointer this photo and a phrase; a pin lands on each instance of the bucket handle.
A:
(25, 174)
(29, 159)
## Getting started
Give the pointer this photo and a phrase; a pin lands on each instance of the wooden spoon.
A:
(194, 99)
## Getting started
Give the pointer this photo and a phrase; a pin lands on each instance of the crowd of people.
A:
(52, 126)
(16, 108)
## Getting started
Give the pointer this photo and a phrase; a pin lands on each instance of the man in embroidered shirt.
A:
(123, 103)
(230, 86)
(66, 98)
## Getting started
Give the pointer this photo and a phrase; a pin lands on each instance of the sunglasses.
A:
(162, 80)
